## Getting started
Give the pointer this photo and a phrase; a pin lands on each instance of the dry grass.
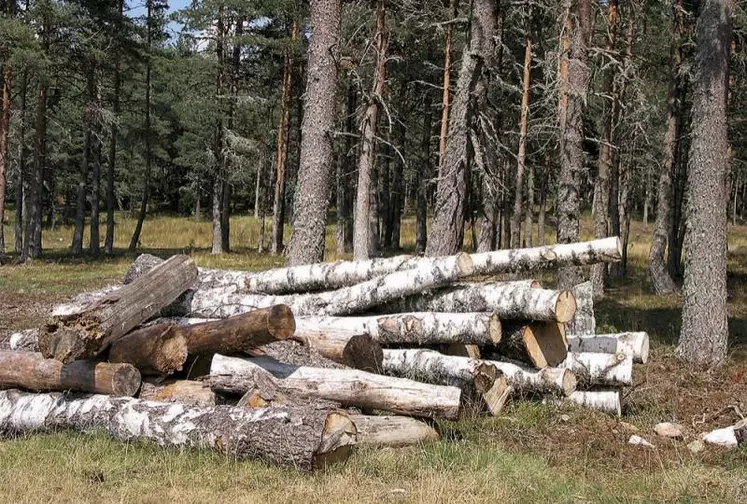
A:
(529, 454)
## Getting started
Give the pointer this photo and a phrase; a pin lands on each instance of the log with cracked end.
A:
(634, 344)
(607, 401)
(349, 387)
(155, 350)
(537, 343)
(393, 431)
(289, 437)
(31, 371)
(507, 300)
(548, 380)
(600, 368)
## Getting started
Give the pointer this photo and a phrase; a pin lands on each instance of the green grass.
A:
(528, 454)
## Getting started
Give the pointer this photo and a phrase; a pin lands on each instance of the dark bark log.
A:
(155, 350)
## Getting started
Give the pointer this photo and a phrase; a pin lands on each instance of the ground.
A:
(532, 452)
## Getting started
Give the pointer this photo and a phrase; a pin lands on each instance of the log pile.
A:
(297, 365)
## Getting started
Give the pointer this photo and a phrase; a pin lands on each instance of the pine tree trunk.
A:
(7, 77)
(521, 156)
(89, 112)
(385, 196)
(32, 246)
(95, 241)
(446, 96)
(399, 191)
(220, 180)
(705, 331)
(22, 178)
(447, 235)
(345, 186)
(423, 177)
(109, 239)
(573, 82)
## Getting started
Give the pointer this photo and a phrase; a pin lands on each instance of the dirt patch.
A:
(21, 310)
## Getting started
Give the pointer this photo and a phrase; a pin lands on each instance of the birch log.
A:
(88, 332)
(480, 381)
(191, 393)
(605, 250)
(549, 380)
(349, 387)
(289, 437)
(154, 350)
(26, 340)
(600, 368)
(537, 343)
(508, 301)
(583, 321)
(31, 371)
(607, 401)
(634, 344)
(222, 303)
(392, 431)
(427, 328)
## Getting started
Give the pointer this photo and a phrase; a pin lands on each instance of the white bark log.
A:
(605, 250)
(549, 380)
(634, 344)
(393, 431)
(584, 321)
(600, 368)
(284, 436)
(508, 301)
(222, 303)
(411, 328)
(607, 401)
(349, 387)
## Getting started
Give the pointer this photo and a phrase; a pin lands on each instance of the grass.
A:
(532, 453)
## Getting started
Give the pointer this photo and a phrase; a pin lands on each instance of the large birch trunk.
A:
(584, 321)
(633, 344)
(296, 438)
(549, 380)
(392, 431)
(346, 386)
(537, 343)
(31, 371)
(600, 368)
(88, 332)
(422, 329)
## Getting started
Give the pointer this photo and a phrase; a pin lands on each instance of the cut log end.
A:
(565, 308)
(59, 342)
(465, 265)
(495, 398)
(338, 439)
(281, 322)
(644, 349)
(125, 380)
(495, 329)
(569, 381)
(157, 350)
(363, 353)
(546, 343)
(485, 377)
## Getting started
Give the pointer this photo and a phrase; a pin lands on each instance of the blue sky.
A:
(137, 9)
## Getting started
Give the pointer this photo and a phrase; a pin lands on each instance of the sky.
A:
(137, 9)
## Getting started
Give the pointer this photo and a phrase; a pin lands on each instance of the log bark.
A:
(155, 350)
(549, 380)
(31, 371)
(537, 343)
(424, 328)
(293, 353)
(349, 387)
(633, 344)
(476, 378)
(191, 393)
(222, 303)
(600, 368)
(306, 440)
(358, 351)
(584, 321)
(88, 332)
(607, 401)
(392, 431)
(508, 301)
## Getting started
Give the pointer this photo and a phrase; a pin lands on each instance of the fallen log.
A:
(508, 301)
(549, 380)
(222, 303)
(89, 331)
(427, 328)
(393, 431)
(296, 438)
(31, 371)
(25, 340)
(358, 351)
(537, 343)
(607, 401)
(294, 353)
(349, 387)
(634, 344)
(600, 368)
(476, 378)
(155, 350)
(583, 321)
(605, 250)
(191, 393)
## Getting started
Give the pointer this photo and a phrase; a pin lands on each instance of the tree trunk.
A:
(584, 321)
(660, 278)
(423, 177)
(600, 368)
(187, 392)
(155, 350)
(633, 344)
(451, 195)
(399, 190)
(537, 343)
(32, 246)
(607, 401)
(420, 329)
(345, 188)
(521, 156)
(7, 77)
(549, 380)
(307, 242)
(220, 177)
(109, 239)
(446, 97)
(22, 179)
(365, 244)
(574, 83)
(31, 371)
(89, 111)
(87, 332)
(94, 246)
(310, 439)
(392, 431)
(705, 330)
(349, 387)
